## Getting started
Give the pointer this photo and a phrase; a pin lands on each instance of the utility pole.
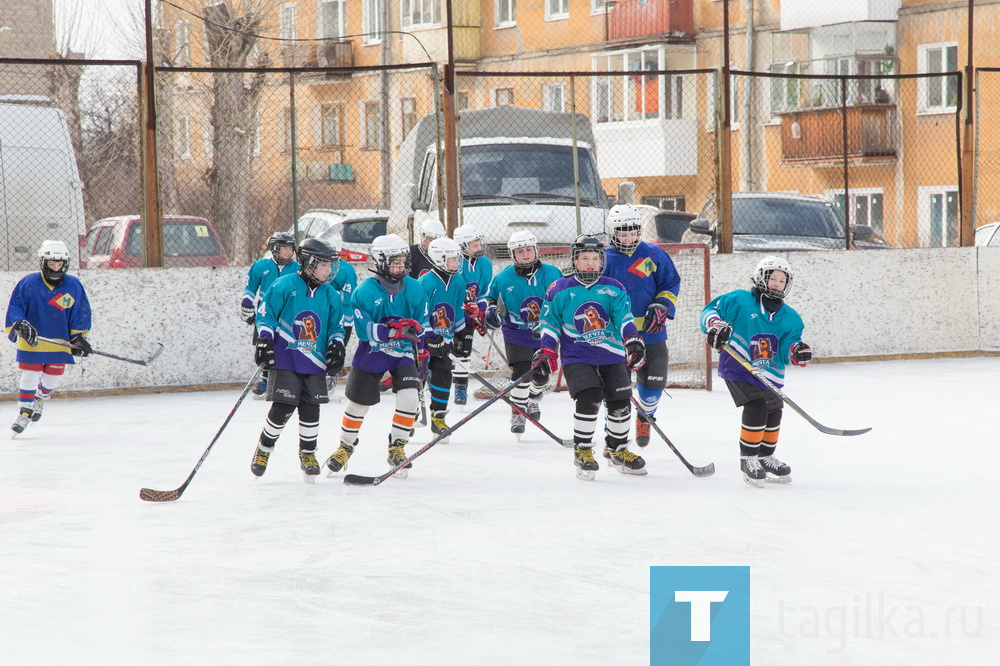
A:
(152, 223)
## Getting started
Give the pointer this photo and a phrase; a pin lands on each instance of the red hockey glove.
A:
(404, 328)
(547, 360)
(801, 354)
(718, 333)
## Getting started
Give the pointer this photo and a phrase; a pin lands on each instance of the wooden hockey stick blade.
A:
(150, 495)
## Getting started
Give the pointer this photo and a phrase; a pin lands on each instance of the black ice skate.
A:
(753, 473)
(309, 465)
(397, 455)
(777, 471)
(259, 464)
(517, 422)
(21, 422)
(36, 409)
(641, 431)
(534, 410)
(586, 466)
(625, 461)
(338, 459)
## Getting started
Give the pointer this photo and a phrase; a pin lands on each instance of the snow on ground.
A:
(492, 552)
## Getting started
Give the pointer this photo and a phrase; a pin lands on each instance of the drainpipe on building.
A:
(748, 182)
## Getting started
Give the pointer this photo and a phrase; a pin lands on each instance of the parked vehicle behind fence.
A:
(357, 227)
(116, 242)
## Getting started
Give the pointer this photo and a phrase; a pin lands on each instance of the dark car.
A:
(775, 222)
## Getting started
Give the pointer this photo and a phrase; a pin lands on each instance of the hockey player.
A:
(345, 281)
(652, 282)
(390, 313)
(262, 275)
(300, 339)
(768, 333)
(420, 263)
(445, 291)
(49, 304)
(588, 317)
(518, 291)
(478, 273)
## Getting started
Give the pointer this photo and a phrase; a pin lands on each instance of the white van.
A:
(41, 194)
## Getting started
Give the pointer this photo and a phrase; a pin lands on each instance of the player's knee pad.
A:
(407, 400)
(619, 409)
(588, 401)
(774, 416)
(518, 369)
(755, 413)
(308, 412)
(280, 413)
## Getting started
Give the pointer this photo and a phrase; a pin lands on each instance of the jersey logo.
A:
(763, 347)
(442, 316)
(306, 330)
(592, 322)
(643, 267)
(531, 309)
(62, 301)
(472, 292)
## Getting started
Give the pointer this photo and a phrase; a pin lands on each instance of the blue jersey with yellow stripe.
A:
(56, 312)
(649, 276)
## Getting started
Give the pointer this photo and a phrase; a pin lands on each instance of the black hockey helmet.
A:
(278, 240)
(582, 245)
(312, 252)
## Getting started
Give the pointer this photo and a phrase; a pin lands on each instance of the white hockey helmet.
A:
(431, 228)
(441, 250)
(466, 234)
(384, 251)
(762, 274)
(53, 250)
(523, 238)
(623, 217)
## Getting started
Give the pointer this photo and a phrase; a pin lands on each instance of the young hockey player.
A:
(420, 263)
(262, 275)
(518, 291)
(49, 304)
(345, 281)
(652, 282)
(390, 313)
(768, 333)
(588, 317)
(478, 273)
(445, 291)
(300, 340)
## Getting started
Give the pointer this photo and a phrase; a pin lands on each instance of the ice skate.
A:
(517, 422)
(397, 455)
(36, 409)
(461, 393)
(641, 431)
(534, 409)
(586, 466)
(309, 465)
(753, 473)
(438, 426)
(259, 464)
(775, 470)
(21, 422)
(625, 461)
(338, 459)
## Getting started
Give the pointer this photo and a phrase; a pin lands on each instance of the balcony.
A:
(633, 19)
(816, 136)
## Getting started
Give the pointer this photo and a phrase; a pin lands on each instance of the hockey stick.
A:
(497, 347)
(358, 480)
(149, 495)
(707, 470)
(756, 372)
(558, 440)
(420, 390)
(146, 361)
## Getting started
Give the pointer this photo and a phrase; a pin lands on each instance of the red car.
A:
(116, 242)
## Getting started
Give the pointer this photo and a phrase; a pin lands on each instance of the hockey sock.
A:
(461, 372)
(277, 417)
(770, 440)
(308, 426)
(27, 387)
(649, 398)
(354, 414)
(440, 388)
(536, 391)
(618, 423)
(588, 403)
(407, 408)
(519, 395)
(752, 429)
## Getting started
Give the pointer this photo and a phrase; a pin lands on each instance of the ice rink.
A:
(883, 550)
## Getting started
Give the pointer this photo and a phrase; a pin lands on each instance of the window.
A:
(207, 137)
(556, 10)
(503, 97)
(287, 21)
(598, 6)
(866, 207)
(331, 125)
(420, 12)
(408, 114)
(937, 94)
(371, 21)
(372, 128)
(937, 216)
(784, 92)
(331, 19)
(182, 32)
(463, 100)
(734, 97)
(639, 96)
(554, 97)
(286, 129)
(504, 13)
(184, 137)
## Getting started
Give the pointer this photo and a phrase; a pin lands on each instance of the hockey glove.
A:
(635, 353)
(547, 360)
(263, 354)
(492, 318)
(82, 346)
(718, 333)
(437, 345)
(657, 315)
(404, 328)
(474, 316)
(335, 355)
(248, 313)
(463, 343)
(25, 331)
(801, 354)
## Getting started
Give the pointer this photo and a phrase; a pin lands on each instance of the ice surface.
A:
(492, 552)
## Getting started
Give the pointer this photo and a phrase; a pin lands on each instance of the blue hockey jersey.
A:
(445, 298)
(373, 307)
(260, 277)
(521, 301)
(346, 281)
(649, 276)
(55, 312)
(302, 321)
(763, 338)
(477, 274)
(589, 324)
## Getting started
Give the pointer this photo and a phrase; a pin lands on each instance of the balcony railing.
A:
(630, 19)
(815, 136)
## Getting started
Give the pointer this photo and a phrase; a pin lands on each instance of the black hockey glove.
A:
(82, 346)
(463, 343)
(718, 334)
(25, 331)
(248, 313)
(335, 355)
(801, 354)
(656, 318)
(492, 317)
(437, 346)
(635, 353)
(264, 352)
(547, 360)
